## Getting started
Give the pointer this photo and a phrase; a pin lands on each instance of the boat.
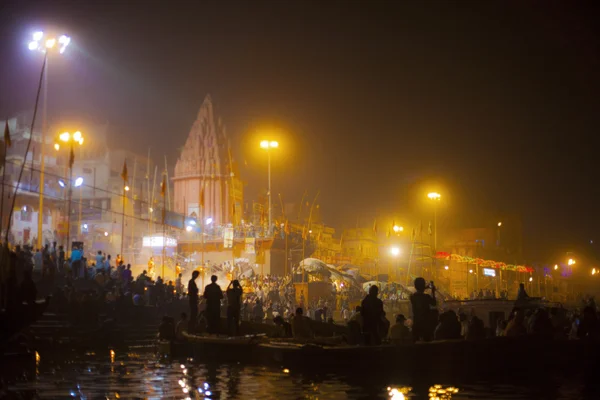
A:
(232, 348)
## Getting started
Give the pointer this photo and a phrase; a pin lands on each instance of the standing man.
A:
(213, 295)
(422, 304)
(193, 298)
(234, 305)
(373, 316)
(76, 256)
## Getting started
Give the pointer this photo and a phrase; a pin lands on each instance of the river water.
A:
(135, 375)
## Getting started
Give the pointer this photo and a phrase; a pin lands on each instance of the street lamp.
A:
(436, 198)
(397, 229)
(571, 261)
(395, 251)
(45, 44)
(268, 145)
(70, 139)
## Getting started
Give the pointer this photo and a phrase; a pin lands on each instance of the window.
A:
(26, 214)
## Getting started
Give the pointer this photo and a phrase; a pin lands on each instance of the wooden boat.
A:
(196, 346)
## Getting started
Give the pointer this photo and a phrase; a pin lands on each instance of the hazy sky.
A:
(497, 103)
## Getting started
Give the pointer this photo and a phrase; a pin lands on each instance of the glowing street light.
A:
(126, 188)
(268, 145)
(446, 268)
(555, 267)
(594, 271)
(45, 44)
(571, 262)
(78, 182)
(499, 224)
(395, 251)
(435, 196)
(531, 279)
(398, 229)
(209, 221)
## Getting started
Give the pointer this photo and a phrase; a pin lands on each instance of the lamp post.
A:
(436, 198)
(395, 252)
(268, 145)
(125, 190)
(71, 139)
(45, 44)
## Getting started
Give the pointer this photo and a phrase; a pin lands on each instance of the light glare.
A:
(50, 43)
(37, 36)
(274, 144)
(78, 181)
(33, 45)
(65, 136)
(434, 196)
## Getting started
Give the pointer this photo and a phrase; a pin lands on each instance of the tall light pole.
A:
(268, 145)
(436, 198)
(70, 139)
(45, 44)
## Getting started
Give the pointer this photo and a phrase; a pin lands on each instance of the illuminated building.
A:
(205, 162)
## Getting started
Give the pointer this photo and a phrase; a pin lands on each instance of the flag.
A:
(163, 186)
(202, 196)
(388, 233)
(430, 231)
(7, 142)
(304, 232)
(71, 158)
(286, 228)
(124, 173)
(375, 226)
(233, 212)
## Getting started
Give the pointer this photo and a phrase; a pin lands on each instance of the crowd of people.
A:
(274, 300)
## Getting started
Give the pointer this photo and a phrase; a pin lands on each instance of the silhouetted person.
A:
(28, 290)
(589, 326)
(516, 324)
(301, 325)
(213, 295)
(373, 314)
(422, 313)
(522, 293)
(193, 299)
(181, 327)
(400, 334)
(234, 305)
(166, 329)
(476, 329)
(449, 327)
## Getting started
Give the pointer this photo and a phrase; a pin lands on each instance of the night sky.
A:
(495, 104)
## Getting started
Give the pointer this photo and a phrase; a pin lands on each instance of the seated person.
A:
(166, 329)
(181, 327)
(285, 328)
(400, 334)
(301, 325)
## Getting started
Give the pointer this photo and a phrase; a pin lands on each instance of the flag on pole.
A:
(163, 186)
(202, 196)
(414, 235)
(375, 226)
(304, 232)
(7, 142)
(124, 173)
(286, 228)
(388, 233)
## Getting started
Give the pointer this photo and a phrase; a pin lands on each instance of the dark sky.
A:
(378, 101)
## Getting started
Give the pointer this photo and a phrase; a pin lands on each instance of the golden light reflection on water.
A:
(398, 393)
(438, 392)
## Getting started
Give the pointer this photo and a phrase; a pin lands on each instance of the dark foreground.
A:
(140, 374)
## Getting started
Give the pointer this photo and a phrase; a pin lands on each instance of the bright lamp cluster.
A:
(44, 42)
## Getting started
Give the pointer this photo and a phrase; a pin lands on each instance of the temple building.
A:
(206, 163)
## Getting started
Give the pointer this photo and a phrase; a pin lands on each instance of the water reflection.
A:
(438, 392)
(141, 375)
